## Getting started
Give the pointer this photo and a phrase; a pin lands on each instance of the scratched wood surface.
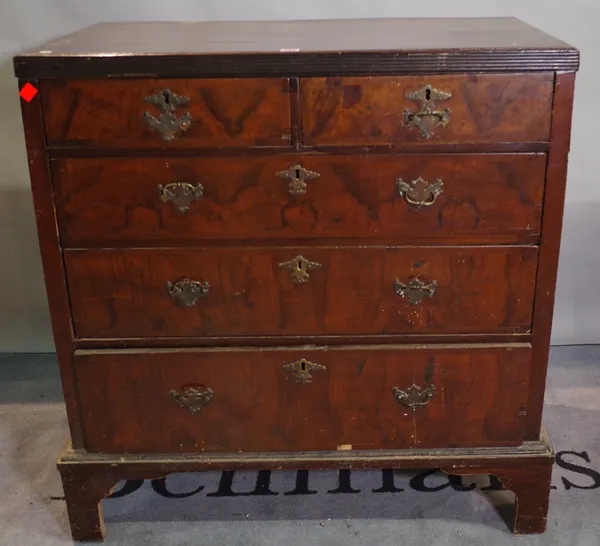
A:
(122, 293)
(104, 202)
(158, 39)
(480, 393)
(484, 108)
(526, 470)
(110, 113)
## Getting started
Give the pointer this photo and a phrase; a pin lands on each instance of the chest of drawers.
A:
(318, 244)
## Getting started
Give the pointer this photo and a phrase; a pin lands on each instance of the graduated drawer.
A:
(463, 198)
(300, 291)
(167, 113)
(305, 398)
(444, 109)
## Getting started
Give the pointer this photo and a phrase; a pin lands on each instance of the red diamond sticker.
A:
(28, 92)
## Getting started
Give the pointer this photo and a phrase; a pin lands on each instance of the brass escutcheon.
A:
(181, 194)
(428, 117)
(419, 193)
(297, 175)
(192, 399)
(299, 268)
(301, 370)
(414, 396)
(168, 124)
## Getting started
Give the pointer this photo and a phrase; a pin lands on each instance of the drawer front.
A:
(403, 199)
(303, 398)
(167, 113)
(442, 109)
(300, 291)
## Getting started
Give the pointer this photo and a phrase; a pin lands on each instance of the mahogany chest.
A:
(303, 244)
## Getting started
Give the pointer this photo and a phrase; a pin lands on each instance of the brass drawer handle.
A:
(301, 370)
(428, 116)
(415, 291)
(168, 124)
(181, 194)
(185, 292)
(420, 193)
(192, 399)
(414, 396)
(299, 268)
(297, 175)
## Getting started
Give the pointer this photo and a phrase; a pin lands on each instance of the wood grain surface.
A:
(492, 198)
(122, 293)
(480, 394)
(110, 113)
(369, 110)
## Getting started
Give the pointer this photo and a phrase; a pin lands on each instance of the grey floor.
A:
(277, 508)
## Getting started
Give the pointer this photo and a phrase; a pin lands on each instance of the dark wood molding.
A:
(265, 341)
(297, 64)
(539, 450)
(57, 152)
(493, 240)
(526, 470)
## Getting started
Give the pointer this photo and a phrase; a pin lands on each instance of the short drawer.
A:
(443, 109)
(303, 399)
(300, 291)
(167, 113)
(461, 198)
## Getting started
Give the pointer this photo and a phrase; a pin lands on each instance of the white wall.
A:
(24, 323)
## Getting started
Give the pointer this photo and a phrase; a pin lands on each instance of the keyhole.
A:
(300, 265)
(166, 96)
(428, 93)
(303, 365)
(298, 174)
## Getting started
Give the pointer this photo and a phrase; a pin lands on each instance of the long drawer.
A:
(455, 108)
(307, 398)
(301, 291)
(463, 198)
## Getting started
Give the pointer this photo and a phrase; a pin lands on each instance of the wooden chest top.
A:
(300, 48)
